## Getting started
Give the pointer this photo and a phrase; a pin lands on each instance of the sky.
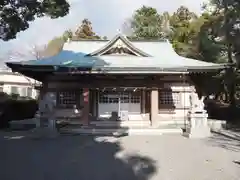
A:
(107, 17)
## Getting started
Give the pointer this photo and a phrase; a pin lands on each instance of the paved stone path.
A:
(171, 157)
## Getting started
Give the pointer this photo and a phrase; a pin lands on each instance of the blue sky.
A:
(107, 16)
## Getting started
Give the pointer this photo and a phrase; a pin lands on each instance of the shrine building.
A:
(118, 80)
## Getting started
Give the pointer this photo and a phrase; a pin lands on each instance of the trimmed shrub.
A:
(217, 110)
(14, 109)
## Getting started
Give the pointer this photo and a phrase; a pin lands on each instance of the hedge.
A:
(15, 109)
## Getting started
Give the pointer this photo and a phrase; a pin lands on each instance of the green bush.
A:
(15, 109)
(217, 110)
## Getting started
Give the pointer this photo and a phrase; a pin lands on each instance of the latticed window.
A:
(124, 97)
(68, 99)
(135, 98)
(107, 97)
(114, 97)
(176, 98)
(169, 98)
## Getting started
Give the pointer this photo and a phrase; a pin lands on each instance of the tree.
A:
(55, 46)
(184, 26)
(146, 23)
(85, 31)
(67, 35)
(167, 29)
(33, 52)
(126, 28)
(207, 46)
(228, 32)
(195, 37)
(104, 37)
(16, 15)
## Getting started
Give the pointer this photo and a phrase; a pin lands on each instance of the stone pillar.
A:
(85, 110)
(154, 107)
(46, 115)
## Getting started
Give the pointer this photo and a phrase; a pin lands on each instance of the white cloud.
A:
(107, 16)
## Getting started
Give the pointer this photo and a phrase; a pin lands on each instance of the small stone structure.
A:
(46, 109)
(198, 118)
(45, 120)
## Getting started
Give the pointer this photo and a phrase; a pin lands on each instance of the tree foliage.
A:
(55, 46)
(85, 31)
(184, 25)
(146, 24)
(15, 15)
(214, 36)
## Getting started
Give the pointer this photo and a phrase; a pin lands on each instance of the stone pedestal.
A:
(44, 117)
(44, 132)
(198, 125)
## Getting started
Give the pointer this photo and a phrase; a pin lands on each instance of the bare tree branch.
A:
(127, 27)
(33, 52)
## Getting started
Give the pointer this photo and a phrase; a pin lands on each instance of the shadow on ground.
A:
(71, 158)
(237, 162)
(219, 140)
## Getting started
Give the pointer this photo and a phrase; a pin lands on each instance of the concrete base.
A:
(202, 132)
(22, 124)
(198, 125)
(44, 132)
(122, 131)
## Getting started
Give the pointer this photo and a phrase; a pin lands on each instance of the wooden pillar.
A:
(148, 101)
(143, 101)
(85, 111)
(94, 103)
(154, 107)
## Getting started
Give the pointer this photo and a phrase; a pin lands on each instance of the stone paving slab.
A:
(167, 157)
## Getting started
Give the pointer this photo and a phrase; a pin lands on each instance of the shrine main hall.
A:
(118, 80)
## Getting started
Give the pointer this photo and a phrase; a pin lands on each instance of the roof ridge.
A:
(126, 37)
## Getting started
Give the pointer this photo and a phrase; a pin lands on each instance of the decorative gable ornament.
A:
(119, 45)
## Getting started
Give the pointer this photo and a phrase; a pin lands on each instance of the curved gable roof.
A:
(126, 42)
(141, 48)
(150, 55)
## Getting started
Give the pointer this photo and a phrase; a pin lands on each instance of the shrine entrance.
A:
(119, 103)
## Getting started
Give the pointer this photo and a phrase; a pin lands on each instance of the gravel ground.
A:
(168, 157)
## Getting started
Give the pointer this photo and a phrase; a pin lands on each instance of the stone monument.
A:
(45, 120)
(198, 118)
